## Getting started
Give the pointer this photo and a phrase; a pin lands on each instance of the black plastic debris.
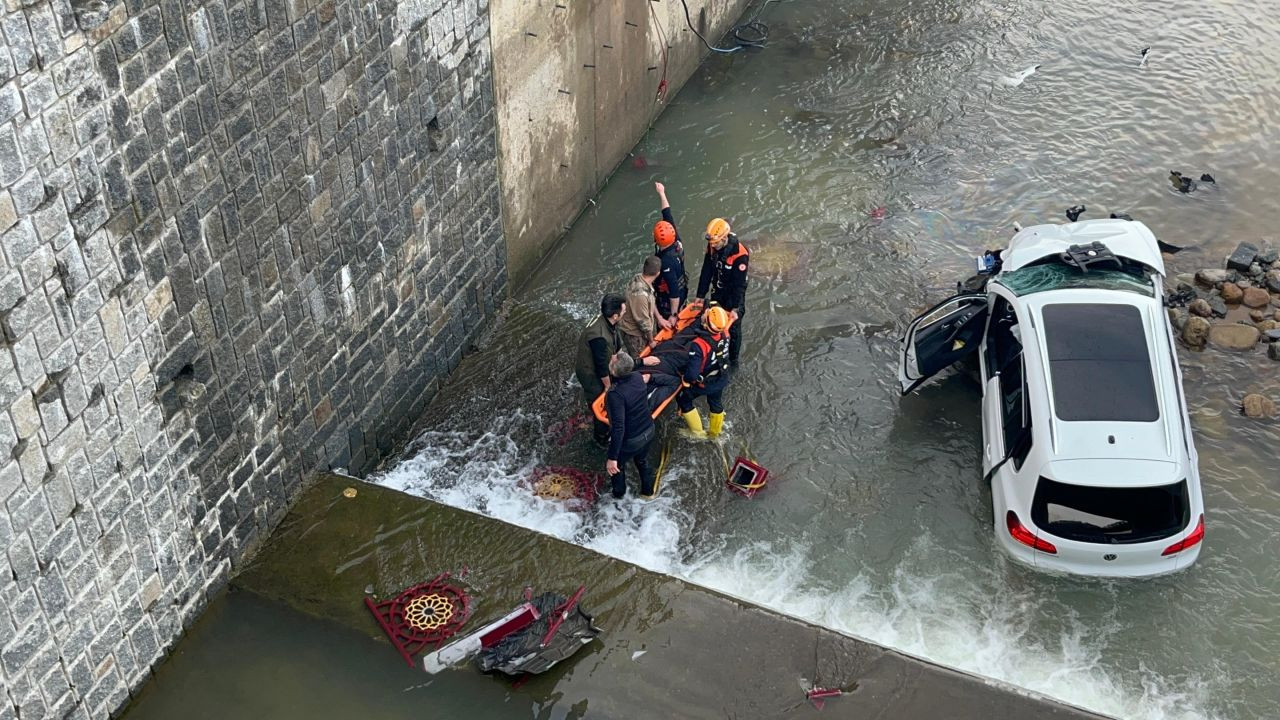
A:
(1075, 211)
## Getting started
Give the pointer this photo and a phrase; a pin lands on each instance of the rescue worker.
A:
(631, 429)
(672, 285)
(724, 275)
(598, 342)
(641, 320)
(705, 374)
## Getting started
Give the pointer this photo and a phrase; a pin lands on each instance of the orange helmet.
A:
(664, 233)
(717, 230)
(716, 319)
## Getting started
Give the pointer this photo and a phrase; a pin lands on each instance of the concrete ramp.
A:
(704, 654)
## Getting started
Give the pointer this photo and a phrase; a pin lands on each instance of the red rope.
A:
(662, 35)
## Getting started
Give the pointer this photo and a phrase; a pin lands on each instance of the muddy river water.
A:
(865, 156)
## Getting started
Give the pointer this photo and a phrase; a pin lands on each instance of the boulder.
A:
(1259, 315)
(1210, 277)
(1233, 336)
(1256, 298)
(1242, 257)
(1272, 280)
(1200, 308)
(1271, 336)
(1268, 256)
(1218, 306)
(1231, 292)
(1258, 406)
(1265, 327)
(1177, 317)
(1196, 331)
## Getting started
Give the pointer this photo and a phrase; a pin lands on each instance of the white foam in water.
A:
(946, 618)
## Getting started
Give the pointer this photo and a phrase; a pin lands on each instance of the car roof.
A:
(1124, 238)
(1158, 440)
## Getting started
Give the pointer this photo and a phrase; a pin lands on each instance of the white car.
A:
(1086, 440)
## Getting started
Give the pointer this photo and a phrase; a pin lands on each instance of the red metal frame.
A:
(408, 640)
(760, 477)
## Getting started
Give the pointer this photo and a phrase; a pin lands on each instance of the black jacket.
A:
(724, 274)
(627, 403)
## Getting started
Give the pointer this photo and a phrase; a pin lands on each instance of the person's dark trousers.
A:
(735, 342)
(661, 386)
(641, 460)
(599, 430)
(714, 392)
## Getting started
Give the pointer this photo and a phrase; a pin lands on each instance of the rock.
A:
(1259, 315)
(1231, 292)
(1184, 279)
(1200, 307)
(1255, 270)
(1256, 298)
(1196, 331)
(1177, 317)
(1210, 277)
(1273, 351)
(1267, 326)
(1272, 280)
(1277, 315)
(1271, 335)
(1233, 336)
(1268, 256)
(1242, 257)
(1258, 406)
(1219, 307)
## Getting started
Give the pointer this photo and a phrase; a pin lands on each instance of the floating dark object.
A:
(1168, 247)
(1181, 182)
(1121, 216)
(747, 478)
(1142, 56)
(1207, 178)
(422, 615)
(1075, 211)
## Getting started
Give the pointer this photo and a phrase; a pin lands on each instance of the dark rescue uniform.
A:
(598, 342)
(705, 372)
(672, 281)
(631, 431)
(724, 275)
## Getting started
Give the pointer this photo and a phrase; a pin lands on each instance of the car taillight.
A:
(1189, 541)
(1019, 532)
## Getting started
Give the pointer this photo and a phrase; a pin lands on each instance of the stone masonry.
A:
(241, 240)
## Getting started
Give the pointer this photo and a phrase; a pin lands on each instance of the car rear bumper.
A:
(1071, 562)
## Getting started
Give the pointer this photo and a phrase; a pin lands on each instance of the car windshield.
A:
(1057, 276)
(1110, 515)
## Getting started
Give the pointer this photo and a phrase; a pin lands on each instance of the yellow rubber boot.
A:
(717, 423)
(694, 421)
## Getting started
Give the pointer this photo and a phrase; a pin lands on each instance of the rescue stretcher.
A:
(688, 315)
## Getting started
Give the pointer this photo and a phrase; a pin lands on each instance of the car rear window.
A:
(1099, 364)
(1110, 515)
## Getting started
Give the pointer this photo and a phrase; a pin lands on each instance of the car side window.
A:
(1003, 345)
(1015, 412)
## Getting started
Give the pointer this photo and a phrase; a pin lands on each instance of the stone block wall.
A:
(240, 240)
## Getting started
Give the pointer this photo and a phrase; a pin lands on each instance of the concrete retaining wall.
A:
(241, 240)
(576, 85)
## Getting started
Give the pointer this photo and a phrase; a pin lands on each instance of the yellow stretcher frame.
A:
(688, 315)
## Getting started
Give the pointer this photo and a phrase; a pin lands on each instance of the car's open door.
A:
(943, 335)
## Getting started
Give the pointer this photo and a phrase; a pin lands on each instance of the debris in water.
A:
(349, 492)
(578, 489)
(1180, 182)
(1075, 211)
(819, 696)
(1016, 80)
(879, 212)
(422, 615)
(1146, 52)
(1207, 178)
(636, 655)
(639, 162)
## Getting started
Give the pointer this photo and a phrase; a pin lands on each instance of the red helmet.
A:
(664, 233)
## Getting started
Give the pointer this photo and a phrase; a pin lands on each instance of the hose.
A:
(752, 33)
